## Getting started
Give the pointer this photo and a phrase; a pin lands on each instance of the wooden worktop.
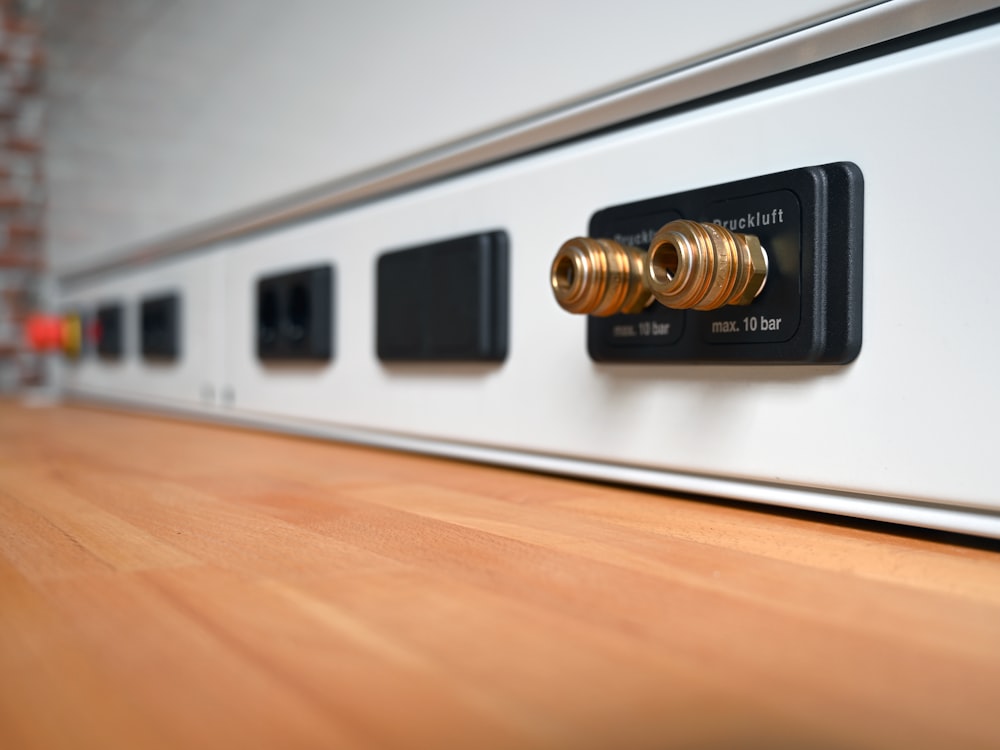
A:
(175, 585)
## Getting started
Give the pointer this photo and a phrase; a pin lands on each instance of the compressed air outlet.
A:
(764, 270)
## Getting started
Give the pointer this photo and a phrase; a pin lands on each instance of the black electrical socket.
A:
(444, 302)
(295, 315)
(808, 220)
(110, 331)
(159, 327)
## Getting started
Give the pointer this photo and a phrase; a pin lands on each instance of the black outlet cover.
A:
(295, 315)
(160, 321)
(110, 331)
(809, 221)
(445, 301)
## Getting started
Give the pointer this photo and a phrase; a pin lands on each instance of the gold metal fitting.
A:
(599, 277)
(704, 266)
(72, 334)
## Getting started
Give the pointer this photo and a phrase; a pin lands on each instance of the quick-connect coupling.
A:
(704, 266)
(599, 277)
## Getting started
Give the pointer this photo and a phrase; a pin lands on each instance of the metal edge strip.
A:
(963, 520)
(852, 32)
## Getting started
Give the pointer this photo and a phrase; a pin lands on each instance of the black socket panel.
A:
(809, 221)
(110, 331)
(159, 327)
(445, 301)
(295, 315)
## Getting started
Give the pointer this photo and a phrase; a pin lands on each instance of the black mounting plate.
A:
(809, 221)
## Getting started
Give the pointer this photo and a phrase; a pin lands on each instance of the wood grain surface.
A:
(168, 585)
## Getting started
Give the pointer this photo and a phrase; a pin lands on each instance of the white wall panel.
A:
(913, 417)
(193, 378)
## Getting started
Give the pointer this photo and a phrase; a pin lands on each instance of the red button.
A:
(44, 332)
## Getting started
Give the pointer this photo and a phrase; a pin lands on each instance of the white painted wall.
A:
(167, 113)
